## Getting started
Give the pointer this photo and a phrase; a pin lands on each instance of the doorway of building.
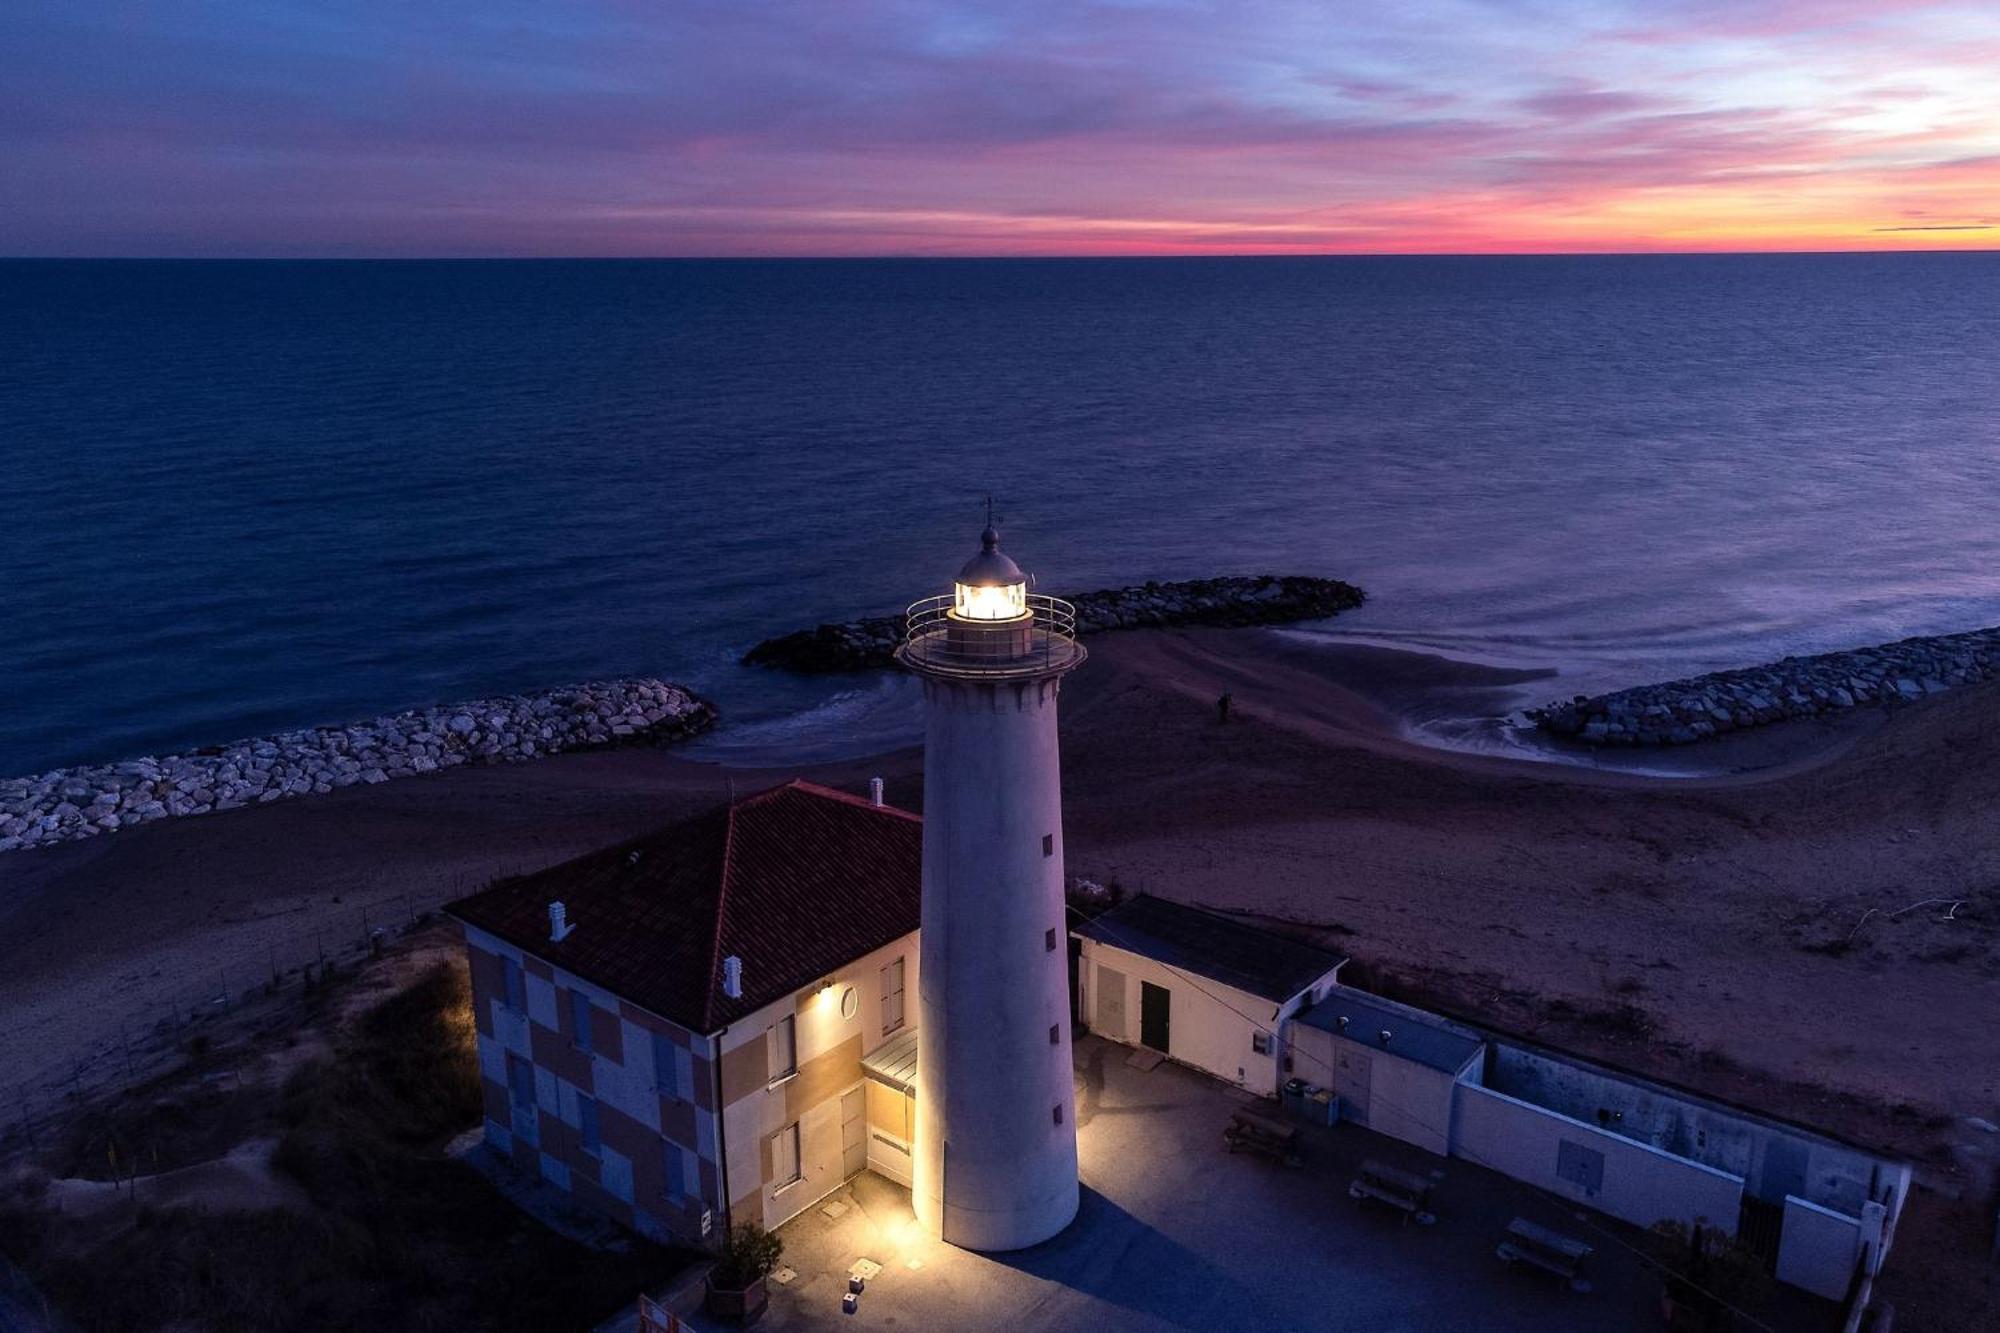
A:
(1110, 986)
(853, 1132)
(1155, 1007)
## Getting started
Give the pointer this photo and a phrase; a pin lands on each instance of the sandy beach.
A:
(1761, 933)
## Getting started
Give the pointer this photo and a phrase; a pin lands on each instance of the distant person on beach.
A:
(1222, 708)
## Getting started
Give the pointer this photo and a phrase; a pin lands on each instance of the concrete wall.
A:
(1775, 1161)
(642, 1115)
(1377, 1088)
(760, 1104)
(1818, 1249)
(1207, 1026)
(1633, 1181)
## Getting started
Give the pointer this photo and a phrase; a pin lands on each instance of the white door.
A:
(1352, 1074)
(1110, 1003)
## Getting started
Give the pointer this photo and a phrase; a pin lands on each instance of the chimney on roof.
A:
(559, 926)
(875, 792)
(732, 977)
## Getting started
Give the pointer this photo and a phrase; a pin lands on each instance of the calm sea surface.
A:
(240, 497)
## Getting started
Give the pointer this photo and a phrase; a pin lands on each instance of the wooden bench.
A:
(1260, 1133)
(1531, 1243)
(1405, 1191)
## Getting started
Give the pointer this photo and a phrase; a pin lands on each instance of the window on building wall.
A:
(784, 1048)
(586, 1124)
(892, 996)
(1260, 1042)
(673, 1068)
(785, 1156)
(514, 986)
(521, 1081)
(579, 1017)
(682, 1174)
(1048, 844)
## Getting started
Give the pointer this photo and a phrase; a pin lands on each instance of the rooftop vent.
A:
(1342, 1020)
(559, 925)
(875, 792)
(1384, 1034)
(732, 977)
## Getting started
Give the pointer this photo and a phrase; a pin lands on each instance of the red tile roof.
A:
(796, 881)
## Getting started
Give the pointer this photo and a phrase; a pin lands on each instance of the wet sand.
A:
(1748, 931)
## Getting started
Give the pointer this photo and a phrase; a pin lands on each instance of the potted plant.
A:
(735, 1283)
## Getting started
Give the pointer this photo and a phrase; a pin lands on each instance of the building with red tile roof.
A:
(672, 1029)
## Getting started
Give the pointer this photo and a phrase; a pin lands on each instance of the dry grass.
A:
(395, 1235)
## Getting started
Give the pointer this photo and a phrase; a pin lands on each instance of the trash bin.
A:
(1293, 1096)
(1323, 1108)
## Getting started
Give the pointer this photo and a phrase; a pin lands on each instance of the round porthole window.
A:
(850, 1003)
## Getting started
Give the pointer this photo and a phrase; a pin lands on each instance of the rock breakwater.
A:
(858, 645)
(1681, 712)
(82, 802)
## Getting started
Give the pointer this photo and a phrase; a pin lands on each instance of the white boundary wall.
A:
(1818, 1249)
(1635, 1182)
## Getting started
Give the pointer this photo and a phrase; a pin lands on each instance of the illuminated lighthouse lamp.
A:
(991, 586)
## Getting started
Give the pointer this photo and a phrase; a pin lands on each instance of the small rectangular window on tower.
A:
(1058, 1112)
(1048, 844)
(1055, 1034)
(1049, 940)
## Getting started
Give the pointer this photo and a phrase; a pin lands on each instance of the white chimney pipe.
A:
(559, 926)
(875, 792)
(732, 977)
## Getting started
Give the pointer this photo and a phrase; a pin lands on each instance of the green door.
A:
(1155, 1004)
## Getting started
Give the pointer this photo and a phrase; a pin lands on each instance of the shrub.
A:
(750, 1253)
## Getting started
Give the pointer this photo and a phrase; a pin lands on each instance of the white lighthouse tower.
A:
(996, 1125)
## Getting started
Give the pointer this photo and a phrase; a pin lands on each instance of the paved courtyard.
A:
(1177, 1233)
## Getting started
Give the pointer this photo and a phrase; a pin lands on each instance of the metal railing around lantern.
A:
(983, 650)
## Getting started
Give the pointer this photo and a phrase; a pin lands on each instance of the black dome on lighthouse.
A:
(992, 567)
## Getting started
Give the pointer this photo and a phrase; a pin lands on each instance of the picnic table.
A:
(1260, 1133)
(1405, 1191)
(1534, 1244)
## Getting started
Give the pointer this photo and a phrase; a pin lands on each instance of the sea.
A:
(238, 497)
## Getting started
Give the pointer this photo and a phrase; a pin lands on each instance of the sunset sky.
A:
(833, 127)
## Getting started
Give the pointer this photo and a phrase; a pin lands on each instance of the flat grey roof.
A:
(1413, 1036)
(1211, 945)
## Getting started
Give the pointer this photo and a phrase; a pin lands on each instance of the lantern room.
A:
(990, 624)
(991, 586)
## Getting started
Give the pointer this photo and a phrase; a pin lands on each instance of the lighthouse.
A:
(995, 1165)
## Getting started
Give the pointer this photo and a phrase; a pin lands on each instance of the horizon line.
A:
(891, 256)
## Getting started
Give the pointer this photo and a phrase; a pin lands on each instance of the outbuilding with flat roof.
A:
(1393, 1067)
(1197, 986)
